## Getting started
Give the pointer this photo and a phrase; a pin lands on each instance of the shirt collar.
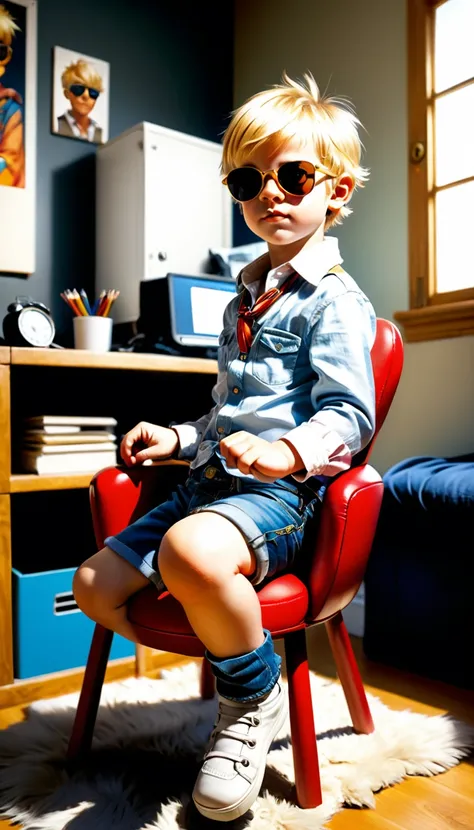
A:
(312, 263)
(73, 124)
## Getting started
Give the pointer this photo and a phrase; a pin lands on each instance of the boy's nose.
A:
(271, 189)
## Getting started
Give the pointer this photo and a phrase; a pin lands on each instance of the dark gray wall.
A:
(170, 64)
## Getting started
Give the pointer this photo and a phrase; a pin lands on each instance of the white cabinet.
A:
(160, 206)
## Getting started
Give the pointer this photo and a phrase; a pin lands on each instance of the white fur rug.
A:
(148, 745)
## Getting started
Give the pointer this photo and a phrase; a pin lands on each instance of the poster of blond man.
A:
(80, 96)
(12, 84)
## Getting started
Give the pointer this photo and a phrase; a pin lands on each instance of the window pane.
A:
(455, 238)
(454, 125)
(454, 53)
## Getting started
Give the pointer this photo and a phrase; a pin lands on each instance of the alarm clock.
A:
(28, 323)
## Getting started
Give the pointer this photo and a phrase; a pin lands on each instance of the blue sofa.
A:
(419, 585)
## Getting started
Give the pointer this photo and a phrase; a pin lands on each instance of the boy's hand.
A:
(265, 460)
(146, 443)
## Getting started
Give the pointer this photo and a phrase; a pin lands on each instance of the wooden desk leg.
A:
(141, 660)
(6, 623)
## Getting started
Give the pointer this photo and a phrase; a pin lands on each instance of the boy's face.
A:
(284, 221)
(80, 98)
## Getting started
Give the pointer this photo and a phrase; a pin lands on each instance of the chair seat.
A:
(161, 623)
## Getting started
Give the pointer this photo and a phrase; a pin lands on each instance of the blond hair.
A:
(8, 27)
(81, 72)
(296, 110)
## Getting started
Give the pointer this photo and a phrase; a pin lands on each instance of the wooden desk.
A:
(130, 387)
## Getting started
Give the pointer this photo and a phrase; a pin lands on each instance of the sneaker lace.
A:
(223, 727)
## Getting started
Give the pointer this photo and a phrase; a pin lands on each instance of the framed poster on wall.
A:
(80, 106)
(18, 32)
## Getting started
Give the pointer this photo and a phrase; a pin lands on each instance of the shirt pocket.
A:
(276, 353)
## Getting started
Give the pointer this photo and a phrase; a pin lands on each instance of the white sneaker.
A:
(234, 764)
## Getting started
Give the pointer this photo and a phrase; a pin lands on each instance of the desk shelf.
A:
(110, 360)
(31, 482)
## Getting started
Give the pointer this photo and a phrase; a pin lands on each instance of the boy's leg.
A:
(102, 585)
(205, 563)
(204, 557)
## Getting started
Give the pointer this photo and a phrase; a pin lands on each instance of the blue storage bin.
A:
(50, 633)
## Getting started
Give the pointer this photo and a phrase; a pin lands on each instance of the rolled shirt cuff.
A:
(322, 450)
(189, 440)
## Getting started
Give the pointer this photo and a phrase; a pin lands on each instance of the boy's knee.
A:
(105, 582)
(83, 588)
(192, 556)
(182, 558)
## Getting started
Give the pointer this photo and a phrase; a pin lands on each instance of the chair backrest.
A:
(387, 363)
(340, 548)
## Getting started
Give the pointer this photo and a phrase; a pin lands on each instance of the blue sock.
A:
(247, 676)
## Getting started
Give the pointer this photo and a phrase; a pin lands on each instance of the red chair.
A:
(290, 603)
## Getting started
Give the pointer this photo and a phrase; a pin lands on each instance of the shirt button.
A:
(236, 390)
(220, 430)
(278, 347)
(210, 472)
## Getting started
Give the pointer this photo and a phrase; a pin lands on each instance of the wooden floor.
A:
(444, 802)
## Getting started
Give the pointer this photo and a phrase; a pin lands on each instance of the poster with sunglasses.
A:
(80, 106)
(18, 26)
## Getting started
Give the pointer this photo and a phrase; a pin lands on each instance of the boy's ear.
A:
(342, 192)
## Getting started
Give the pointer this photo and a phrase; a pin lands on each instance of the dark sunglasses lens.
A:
(244, 183)
(297, 177)
(79, 89)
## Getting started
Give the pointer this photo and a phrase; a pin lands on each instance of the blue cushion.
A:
(420, 575)
(433, 481)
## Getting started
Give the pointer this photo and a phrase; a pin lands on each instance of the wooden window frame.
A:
(431, 316)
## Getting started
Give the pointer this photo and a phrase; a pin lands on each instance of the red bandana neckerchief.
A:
(246, 315)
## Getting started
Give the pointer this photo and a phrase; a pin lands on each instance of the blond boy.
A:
(293, 403)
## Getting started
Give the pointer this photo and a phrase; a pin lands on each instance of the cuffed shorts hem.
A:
(134, 559)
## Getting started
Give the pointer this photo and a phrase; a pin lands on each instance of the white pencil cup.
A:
(93, 333)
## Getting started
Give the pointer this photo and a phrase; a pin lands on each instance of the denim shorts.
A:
(271, 517)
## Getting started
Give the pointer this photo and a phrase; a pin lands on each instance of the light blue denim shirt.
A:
(308, 375)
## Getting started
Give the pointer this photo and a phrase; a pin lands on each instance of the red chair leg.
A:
(208, 681)
(86, 713)
(349, 675)
(303, 735)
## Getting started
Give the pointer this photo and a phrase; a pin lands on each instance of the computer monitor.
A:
(184, 311)
(197, 306)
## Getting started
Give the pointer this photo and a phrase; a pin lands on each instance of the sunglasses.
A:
(5, 52)
(296, 178)
(78, 89)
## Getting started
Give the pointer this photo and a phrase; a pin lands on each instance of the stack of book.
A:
(68, 444)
